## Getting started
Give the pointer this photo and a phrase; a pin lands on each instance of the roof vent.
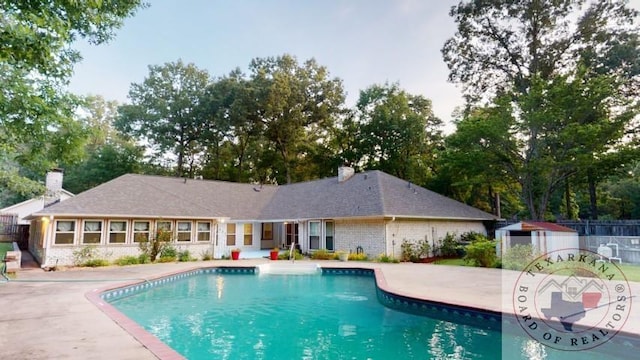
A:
(345, 173)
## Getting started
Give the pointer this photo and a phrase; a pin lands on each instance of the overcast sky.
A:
(363, 42)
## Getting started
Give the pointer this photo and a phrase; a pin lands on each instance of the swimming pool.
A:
(236, 314)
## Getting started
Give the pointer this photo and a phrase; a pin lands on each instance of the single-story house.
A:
(372, 212)
(545, 237)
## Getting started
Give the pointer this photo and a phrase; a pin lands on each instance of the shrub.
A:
(166, 259)
(184, 256)
(96, 263)
(449, 246)
(88, 256)
(408, 251)
(472, 236)
(285, 255)
(127, 260)
(144, 258)
(384, 258)
(358, 257)
(322, 254)
(206, 255)
(155, 245)
(482, 253)
(518, 257)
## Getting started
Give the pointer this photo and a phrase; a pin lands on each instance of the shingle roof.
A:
(537, 225)
(368, 194)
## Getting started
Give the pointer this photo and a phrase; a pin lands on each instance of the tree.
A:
(164, 113)
(298, 106)
(398, 132)
(544, 57)
(37, 130)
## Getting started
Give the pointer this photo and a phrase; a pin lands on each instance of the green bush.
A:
(518, 257)
(285, 255)
(449, 246)
(358, 257)
(207, 255)
(322, 254)
(472, 236)
(154, 246)
(184, 256)
(96, 263)
(481, 253)
(384, 258)
(127, 260)
(166, 259)
(414, 251)
(144, 258)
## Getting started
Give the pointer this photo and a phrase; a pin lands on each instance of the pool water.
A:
(237, 316)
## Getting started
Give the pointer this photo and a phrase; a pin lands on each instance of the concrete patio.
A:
(47, 316)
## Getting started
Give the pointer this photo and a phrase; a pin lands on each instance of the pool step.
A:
(288, 268)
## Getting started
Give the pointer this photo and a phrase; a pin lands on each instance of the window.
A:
(291, 233)
(231, 234)
(92, 232)
(164, 226)
(117, 232)
(140, 231)
(204, 231)
(267, 231)
(65, 230)
(328, 235)
(314, 234)
(184, 230)
(248, 234)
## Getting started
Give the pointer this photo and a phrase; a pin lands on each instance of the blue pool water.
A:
(238, 316)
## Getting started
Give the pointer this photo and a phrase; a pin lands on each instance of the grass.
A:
(457, 262)
(4, 247)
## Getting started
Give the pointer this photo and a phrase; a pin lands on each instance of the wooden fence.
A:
(9, 229)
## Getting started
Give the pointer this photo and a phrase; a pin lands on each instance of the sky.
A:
(362, 42)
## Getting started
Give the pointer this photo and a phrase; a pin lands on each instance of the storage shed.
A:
(544, 236)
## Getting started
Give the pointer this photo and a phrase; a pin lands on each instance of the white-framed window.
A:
(65, 232)
(329, 243)
(141, 230)
(164, 225)
(231, 234)
(117, 231)
(314, 235)
(248, 234)
(92, 232)
(184, 230)
(204, 231)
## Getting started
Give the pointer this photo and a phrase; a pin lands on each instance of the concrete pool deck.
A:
(44, 317)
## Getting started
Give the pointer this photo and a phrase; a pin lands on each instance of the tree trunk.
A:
(567, 199)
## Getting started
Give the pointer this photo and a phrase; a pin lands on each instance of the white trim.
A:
(83, 231)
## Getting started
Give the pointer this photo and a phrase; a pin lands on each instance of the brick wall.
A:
(369, 234)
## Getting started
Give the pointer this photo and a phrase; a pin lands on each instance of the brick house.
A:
(371, 212)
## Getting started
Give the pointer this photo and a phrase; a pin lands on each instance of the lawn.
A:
(4, 247)
(458, 262)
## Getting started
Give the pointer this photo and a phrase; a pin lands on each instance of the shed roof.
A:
(537, 225)
(369, 194)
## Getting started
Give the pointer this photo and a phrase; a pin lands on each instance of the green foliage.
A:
(184, 256)
(206, 255)
(481, 253)
(448, 246)
(144, 258)
(358, 257)
(37, 126)
(88, 256)
(322, 254)
(285, 255)
(155, 245)
(127, 260)
(518, 257)
(472, 236)
(384, 258)
(414, 251)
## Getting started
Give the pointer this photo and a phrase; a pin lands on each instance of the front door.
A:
(291, 234)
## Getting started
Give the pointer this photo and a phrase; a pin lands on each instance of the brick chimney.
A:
(345, 173)
(53, 183)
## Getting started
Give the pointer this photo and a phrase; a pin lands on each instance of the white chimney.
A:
(53, 182)
(344, 173)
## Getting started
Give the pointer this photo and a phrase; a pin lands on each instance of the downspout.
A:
(393, 238)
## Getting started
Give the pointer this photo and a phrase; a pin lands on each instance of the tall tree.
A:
(37, 130)
(531, 51)
(398, 132)
(298, 105)
(164, 113)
